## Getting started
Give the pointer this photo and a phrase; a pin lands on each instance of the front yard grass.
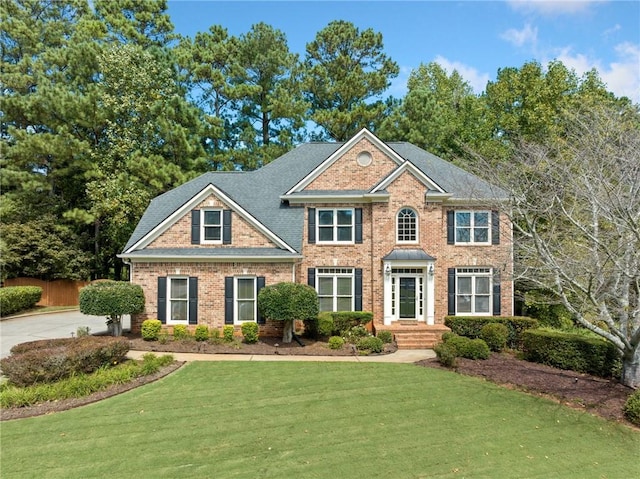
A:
(318, 420)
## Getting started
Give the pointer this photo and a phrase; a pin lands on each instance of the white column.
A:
(430, 294)
(387, 293)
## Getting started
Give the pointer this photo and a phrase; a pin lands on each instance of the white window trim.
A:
(170, 299)
(475, 272)
(202, 226)
(335, 226)
(336, 273)
(471, 228)
(236, 319)
(398, 240)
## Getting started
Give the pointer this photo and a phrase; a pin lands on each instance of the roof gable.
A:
(363, 135)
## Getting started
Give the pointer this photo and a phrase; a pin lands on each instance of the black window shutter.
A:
(358, 226)
(496, 295)
(451, 291)
(495, 227)
(312, 225)
(358, 288)
(226, 227)
(195, 226)
(162, 299)
(451, 227)
(311, 277)
(228, 300)
(193, 300)
(260, 282)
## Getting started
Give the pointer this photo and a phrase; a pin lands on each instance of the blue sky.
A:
(474, 37)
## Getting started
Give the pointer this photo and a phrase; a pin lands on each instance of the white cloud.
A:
(552, 7)
(621, 76)
(610, 31)
(528, 35)
(477, 81)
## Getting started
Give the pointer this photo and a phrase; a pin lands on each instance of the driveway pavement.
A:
(48, 326)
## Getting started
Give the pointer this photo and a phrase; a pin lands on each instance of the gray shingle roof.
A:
(258, 192)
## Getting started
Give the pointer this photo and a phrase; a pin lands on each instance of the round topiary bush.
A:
(371, 344)
(476, 349)
(151, 329)
(250, 331)
(632, 408)
(201, 333)
(336, 342)
(180, 332)
(495, 335)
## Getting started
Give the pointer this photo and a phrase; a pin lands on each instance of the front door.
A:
(407, 297)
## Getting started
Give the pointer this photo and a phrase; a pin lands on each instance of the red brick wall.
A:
(243, 234)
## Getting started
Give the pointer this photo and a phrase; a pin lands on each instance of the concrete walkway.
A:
(400, 356)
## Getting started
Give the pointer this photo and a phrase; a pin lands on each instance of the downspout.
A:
(130, 265)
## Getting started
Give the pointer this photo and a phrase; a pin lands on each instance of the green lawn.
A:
(318, 420)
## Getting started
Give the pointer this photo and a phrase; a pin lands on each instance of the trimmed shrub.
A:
(632, 408)
(250, 332)
(471, 326)
(571, 351)
(227, 333)
(325, 324)
(370, 343)
(336, 342)
(14, 299)
(151, 329)
(201, 333)
(344, 321)
(495, 335)
(476, 349)
(58, 359)
(180, 332)
(385, 336)
(466, 347)
(447, 354)
(355, 334)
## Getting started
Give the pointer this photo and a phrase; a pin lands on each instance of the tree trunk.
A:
(631, 369)
(115, 325)
(287, 333)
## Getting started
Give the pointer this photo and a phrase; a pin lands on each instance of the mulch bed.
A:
(595, 395)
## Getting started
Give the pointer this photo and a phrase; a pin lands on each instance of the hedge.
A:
(471, 326)
(53, 360)
(571, 351)
(14, 299)
(336, 323)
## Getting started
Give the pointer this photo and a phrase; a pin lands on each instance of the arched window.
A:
(407, 226)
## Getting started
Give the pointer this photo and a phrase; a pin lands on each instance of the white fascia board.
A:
(160, 258)
(189, 205)
(364, 133)
(408, 166)
(486, 202)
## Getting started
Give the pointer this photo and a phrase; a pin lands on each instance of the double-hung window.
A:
(211, 226)
(335, 289)
(406, 226)
(335, 226)
(472, 227)
(245, 299)
(178, 300)
(473, 291)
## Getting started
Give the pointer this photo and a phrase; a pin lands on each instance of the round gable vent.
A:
(364, 158)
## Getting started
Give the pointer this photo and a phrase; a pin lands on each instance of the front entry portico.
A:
(408, 286)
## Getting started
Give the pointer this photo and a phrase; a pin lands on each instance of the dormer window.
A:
(407, 226)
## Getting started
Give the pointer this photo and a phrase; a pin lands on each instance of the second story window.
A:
(335, 225)
(472, 227)
(407, 226)
(212, 225)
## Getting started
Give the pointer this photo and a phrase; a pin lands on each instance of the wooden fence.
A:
(60, 292)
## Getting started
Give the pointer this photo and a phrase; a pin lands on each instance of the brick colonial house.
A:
(373, 226)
